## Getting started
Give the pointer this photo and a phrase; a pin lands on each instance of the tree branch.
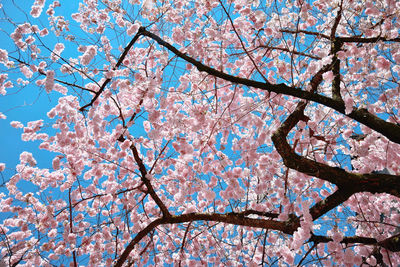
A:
(335, 48)
(390, 130)
(331, 202)
(374, 183)
(345, 39)
(230, 218)
(392, 243)
(147, 182)
(136, 240)
(120, 60)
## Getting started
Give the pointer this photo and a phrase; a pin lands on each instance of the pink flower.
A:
(58, 48)
(133, 28)
(49, 82)
(56, 163)
(16, 124)
(52, 233)
(209, 195)
(383, 63)
(43, 32)
(37, 7)
(3, 56)
(348, 102)
(71, 238)
(61, 89)
(2, 167)
(27, 157)
(125, 145)
(89, 54)
(328, 77)
(26, 71)
(337, 237)
(36, 11)
(178, 36)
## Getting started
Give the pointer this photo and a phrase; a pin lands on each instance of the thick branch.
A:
(336, 46)
(230, 218)
(256, 212)
(331, 202)
(346, 240)
(374, 183)
(390, 130)
(392, 243)
(357, 39)
(136, 240)
(294, 161)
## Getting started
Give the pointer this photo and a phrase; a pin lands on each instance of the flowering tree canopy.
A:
(230, 132)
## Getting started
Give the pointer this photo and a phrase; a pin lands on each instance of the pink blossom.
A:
(287, 255)
(89, 54)
(61, 89)
(178, 35)
(336, 236)
(148, 4)
(328, 76)
(2, 167)
(37, 7)
(383, 63)
(65, 68)
(2, 116)
(26, 71)
(125, 145)
(16, 124)
(348, 102)
(299, 237)
(371, 260)
(133, 28)
(4, 84)
(106, 233)
(36, 11)
(3, 56)
(52, 233)
(43, 32)
(58, 48)
(372, 10)
(49, 81)
(27, 158)
(56, 163)
(209, 195)
(396, 57)
(71, 238)
(147, 126)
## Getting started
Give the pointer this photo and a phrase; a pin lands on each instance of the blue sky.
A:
(27, 103)
(20, 104)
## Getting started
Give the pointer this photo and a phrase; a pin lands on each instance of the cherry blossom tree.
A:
(207, 132)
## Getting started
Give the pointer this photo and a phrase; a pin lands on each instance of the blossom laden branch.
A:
(392, 243)
(329, 203)
(390, 130)
(345, 39)
(120, 60)
(146, 181)
(295, 52)
(373, 183)
(229, 218)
